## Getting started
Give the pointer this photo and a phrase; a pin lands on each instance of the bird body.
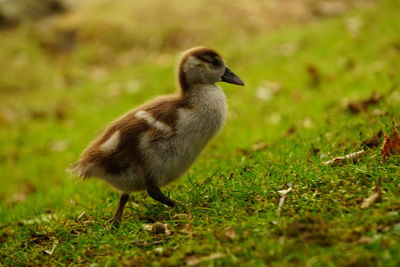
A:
(195, 126)
(154, 144)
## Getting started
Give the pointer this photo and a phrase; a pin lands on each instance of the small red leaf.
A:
(391, 145)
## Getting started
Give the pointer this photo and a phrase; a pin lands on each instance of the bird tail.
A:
(80, 170)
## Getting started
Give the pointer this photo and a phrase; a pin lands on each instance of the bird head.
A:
(201, 65)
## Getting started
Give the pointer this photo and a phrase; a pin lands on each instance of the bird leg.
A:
(154, 191)
(118, 215)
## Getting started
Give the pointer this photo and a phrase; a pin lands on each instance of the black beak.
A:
(231, 77)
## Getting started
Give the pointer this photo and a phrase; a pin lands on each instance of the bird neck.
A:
(183, 84)
(199, 91)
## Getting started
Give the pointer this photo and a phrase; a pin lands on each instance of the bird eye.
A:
(215, 62)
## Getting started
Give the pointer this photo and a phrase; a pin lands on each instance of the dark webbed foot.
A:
(115, 221)
(155, 192)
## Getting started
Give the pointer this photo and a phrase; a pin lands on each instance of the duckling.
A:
(155, 143)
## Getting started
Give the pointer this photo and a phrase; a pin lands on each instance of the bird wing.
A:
(120, 145)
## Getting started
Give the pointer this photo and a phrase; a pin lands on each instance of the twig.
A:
(374, 197)
(51, 251)
(339, 159)
(283, 194)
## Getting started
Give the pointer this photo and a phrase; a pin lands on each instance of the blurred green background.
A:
(68, 67)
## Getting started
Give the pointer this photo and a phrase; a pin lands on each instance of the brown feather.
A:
(94, 161)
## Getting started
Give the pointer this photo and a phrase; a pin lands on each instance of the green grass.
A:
(229, 197)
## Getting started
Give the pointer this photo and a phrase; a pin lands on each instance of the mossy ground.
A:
(299, 81)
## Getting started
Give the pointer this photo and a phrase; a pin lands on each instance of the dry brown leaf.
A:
(314, 75)
(259, 146)
(374, 197)
(357, 107)
(373, 141)
(337, 160)
(391, 146)
(60, 112)
(292, 129)
(254, 148)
